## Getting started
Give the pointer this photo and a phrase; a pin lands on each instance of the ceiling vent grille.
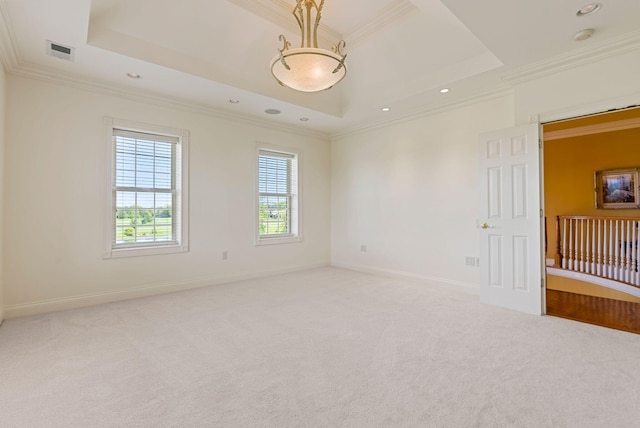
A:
(60, 51)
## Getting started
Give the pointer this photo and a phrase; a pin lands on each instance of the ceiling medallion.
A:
(308, 68)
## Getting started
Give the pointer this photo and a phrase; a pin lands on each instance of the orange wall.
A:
(569, 166)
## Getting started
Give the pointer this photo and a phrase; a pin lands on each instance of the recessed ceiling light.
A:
(589, 9)
(583, 35)
(444, 90)
(133, 75)
(272, 111)
(385, 109)
(304, 119)
(234, 101)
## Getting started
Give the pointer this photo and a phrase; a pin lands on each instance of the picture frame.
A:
(617, 188)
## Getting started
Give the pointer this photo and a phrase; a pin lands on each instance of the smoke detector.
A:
(583, 35)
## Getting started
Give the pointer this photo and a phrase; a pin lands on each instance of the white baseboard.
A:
(431, 280)
(602, 282)
(72, 302)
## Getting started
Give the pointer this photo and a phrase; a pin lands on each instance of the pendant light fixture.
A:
(308, 68)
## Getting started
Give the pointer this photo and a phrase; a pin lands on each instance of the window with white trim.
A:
(148, 191)
(278, 196)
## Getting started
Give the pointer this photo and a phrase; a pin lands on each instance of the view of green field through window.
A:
(274, 184)
(143, 191)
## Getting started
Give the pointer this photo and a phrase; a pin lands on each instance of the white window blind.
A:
(146, 183)
(278, 194)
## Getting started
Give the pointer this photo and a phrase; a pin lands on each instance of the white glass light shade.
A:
(310, 69)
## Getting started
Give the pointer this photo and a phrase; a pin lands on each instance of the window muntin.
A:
(145, 189)
(147, 205)
(277, 195)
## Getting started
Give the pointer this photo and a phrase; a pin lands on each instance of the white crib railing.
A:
(602, 246)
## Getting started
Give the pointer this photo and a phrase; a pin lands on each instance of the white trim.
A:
(472, 288)
(182, 204)
(278, 12)
(9, 56)
(274, 240)
(603, 282)
(118, 253)
(277, 240)
(628, 42)
(14, 64)
(36, 72)
(597, 107)
(616, 125)
(51, 305)
(389, 15)
(421, 113)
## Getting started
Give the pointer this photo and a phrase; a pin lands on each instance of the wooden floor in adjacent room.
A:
(601, 311)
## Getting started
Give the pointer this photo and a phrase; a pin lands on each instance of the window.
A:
(148, 191)
(278, 197)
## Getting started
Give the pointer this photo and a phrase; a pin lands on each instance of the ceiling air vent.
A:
(60, 51)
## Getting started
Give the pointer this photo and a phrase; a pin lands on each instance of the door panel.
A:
(510, 239)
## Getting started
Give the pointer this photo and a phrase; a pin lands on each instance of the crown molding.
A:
(421, 113)
(9, 56)
(391, 13)
(598, 51)
(280, 12)
(618, 125)
(35, 72)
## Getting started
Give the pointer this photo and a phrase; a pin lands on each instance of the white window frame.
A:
(181, 197)
(295, 209)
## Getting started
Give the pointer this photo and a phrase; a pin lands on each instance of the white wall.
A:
(409, 193)
(56, 187)
(593, 87)
(2, 132)
(407, 190)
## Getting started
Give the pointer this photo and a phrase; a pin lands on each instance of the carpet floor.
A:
(321, 348)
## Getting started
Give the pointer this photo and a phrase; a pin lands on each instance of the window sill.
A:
(148, 251)
(278, 240)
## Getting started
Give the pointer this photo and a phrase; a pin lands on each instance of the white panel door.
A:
(510, 222)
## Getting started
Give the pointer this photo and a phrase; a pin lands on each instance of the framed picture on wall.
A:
(617, 188)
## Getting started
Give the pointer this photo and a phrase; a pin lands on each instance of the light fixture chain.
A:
(315, 27)
(308, 34)
(309, 68)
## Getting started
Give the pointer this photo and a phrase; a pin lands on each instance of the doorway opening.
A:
(593, 227)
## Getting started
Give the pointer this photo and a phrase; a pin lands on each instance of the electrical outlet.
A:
(363, 248)
(225, 255)
(471, 261)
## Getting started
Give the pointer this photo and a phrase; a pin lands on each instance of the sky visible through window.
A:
(144, 194)
(274, 174)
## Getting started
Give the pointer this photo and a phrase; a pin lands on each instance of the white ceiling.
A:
(400, 52)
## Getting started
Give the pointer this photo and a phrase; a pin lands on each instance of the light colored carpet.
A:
(321, 348)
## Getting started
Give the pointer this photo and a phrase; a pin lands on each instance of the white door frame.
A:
(511, 240)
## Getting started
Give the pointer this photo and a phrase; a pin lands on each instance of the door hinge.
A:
(541, 213)
(541, 282)
(539, 143)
